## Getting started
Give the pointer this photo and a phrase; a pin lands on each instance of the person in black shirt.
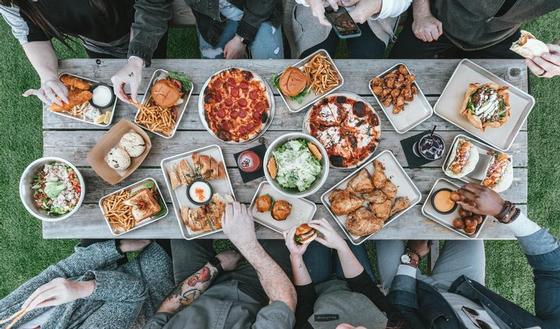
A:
(133, 29)
(337, 291)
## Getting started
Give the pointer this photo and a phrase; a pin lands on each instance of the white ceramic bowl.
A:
(318, 182)
(26, 193)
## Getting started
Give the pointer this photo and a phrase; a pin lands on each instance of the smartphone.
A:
(343, 24)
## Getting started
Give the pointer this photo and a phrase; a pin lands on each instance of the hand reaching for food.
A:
(52, 91)
(131, 75)
(318, 10)
(239, 226)
(58, 291)
(427, 28)
(329, 237)
(229, 259)
(479, 199)
(548, 64)
(296, 249)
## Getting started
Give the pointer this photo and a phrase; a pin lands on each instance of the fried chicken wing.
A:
(389, 189)
(381, 210)
(195, 219)
(75, 97)
(379, 177)
(363, 222)
(377, 196)
(74, 83)
(361, 183)
(401, 203)
(344, 202)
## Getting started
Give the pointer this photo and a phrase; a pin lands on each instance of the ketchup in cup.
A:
(249, 161)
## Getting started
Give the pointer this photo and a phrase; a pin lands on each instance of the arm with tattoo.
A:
(189, 290)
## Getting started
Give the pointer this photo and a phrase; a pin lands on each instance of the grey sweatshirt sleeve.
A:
(114, 286)
(151, 21)
(276, 315)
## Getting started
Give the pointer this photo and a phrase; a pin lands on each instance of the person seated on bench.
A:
(455, 296)
(340, 284)
(473, 29)
(377, 20)
(133, 29)
(89, 289)
(239, 28)
(213, 292)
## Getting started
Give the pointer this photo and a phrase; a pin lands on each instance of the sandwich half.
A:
(499, 175)
(528, 46)
(462, 159)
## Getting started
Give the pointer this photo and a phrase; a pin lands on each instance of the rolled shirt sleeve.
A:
(276, 315)
(392, 8)
(22, 29)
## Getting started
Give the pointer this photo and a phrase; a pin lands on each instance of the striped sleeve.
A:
(22, 29)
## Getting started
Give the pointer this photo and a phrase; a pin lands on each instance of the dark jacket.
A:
(211, 23)
(425, 307)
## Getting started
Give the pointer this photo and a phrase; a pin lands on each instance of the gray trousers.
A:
(190, 256)
(458, 257)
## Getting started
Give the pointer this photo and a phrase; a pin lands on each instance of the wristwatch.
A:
(410, 258)
(214, 261)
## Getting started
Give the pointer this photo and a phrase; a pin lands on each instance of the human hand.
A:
(548, 64)
(318, 10)
(133, 245)
(229, 259)
(239, 226)
(480, 200)
(329, 236)
(295, 249)
(58, 291)
(51, 91)
(427, 28)
(348, 3)
(131, 75)
(235, 48)
(365, 9)
(419, 247)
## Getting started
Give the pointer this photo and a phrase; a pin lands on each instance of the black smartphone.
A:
(343, 24)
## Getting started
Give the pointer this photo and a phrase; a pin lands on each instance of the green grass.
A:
(23, 252)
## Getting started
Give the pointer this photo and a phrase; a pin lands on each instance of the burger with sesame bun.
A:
(304, 234)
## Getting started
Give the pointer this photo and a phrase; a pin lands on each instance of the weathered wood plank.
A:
(432, 75)
(423, 178)
(75, 146)
(283, 120)
(89, 223)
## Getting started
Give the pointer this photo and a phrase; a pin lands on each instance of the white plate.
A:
(414, 113)
(484, 161)
(144, 222)
(447, 219)
(161, 73)
(179, 195)
(295, 106)
(452, 97)
(271, 110)
(303, 210)
(395, 173)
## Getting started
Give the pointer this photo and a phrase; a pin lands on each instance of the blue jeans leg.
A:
(318, 260)
(361, 254)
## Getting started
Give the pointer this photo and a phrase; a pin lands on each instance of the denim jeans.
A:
(267, 44)
(323, 264)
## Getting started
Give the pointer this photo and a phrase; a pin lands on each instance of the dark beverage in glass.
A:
(430, 146)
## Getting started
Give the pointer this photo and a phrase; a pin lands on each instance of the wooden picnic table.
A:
(72, 140)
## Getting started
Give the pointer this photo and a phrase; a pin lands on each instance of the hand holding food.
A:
(486, 105)
(427, 28)
(131, 75)
(239, 226)
(329, 236)
(480, 200)
(528, 46)
(229, 259)
(298, 238)
(51, 92)
(546, 65)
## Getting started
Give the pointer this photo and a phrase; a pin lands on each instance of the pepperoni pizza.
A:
(236, 105)
(347, 127)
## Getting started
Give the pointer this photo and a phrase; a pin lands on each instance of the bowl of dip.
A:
(200, 192)
(103, 96)
(442, 202)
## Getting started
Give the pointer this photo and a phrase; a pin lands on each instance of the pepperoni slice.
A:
(217, 97)
(221, 113)
(242, 102)
(234, 92)
(259, 106)
(244, 85)
(228, 102)
(231, 82)
(253, 94)
(242, 113)
(257, 115)
(234, 114)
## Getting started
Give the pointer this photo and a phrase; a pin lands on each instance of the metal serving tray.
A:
(179, 195)
(295, 106)
(144, 222)
(447, 220)
(303, 210)
(484, 162)
(202, 116)
(453, 94)
(161, 73)
(397, 175)
(102, 110)
(414, 113)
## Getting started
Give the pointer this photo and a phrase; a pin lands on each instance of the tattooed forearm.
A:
(189, 290)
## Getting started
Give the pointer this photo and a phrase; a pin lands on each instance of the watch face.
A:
(405, 259)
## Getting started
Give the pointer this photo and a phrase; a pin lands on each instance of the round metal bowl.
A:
(271, 110)
(319, 181)
(26, 193)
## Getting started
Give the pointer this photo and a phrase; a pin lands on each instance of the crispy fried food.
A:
(376, 196)
(381, 210)
(185, 172)
(215, 211)
(195, 219)
(344, 202)
(156, 118)
(322, 74)
(263, 203)
(379, 177)
(363, 222)
(75, 98)
(401, 203)
(272, 167)
(117, 213)
(395, 88)
(361, 183)
(208, 167)
(73, 82)
(281, 209)
(315, 151)
(390, 190)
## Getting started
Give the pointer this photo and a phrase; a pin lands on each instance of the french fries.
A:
(322, 74)
(156, 118)
(118, 214)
